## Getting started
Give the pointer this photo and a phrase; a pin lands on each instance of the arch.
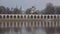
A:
(0, 16)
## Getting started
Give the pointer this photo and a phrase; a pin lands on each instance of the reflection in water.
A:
(24, 30)
(28, 30)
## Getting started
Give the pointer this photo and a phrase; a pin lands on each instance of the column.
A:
(23, 16)
(23, 24)
(13, 16)
(30, 24)
(19, 24)
(13, 24)
(33, 16)
(56, 16)
(2, 25)
(36, 24)
(43, 24)
(2, 16)
(40, 24)
(33, 24)
(49, 16)
(56, 24)
(26, 16)
(26, 24)
(29, 16)
(53, 16)
(16, 16)
(53, 24)
(16, 24)
(9, 24)
(43, 17)
(46, 24)
(40, 16)
(5, 24)
(50, 24)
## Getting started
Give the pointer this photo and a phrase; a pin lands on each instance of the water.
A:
(22, 31)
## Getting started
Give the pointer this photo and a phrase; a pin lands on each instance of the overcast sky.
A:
(39, 4)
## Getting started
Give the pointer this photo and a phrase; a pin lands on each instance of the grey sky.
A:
(39, 4)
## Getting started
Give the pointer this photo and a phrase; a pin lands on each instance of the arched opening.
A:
(0, 16)
(31, 16)
(4, 16)
(7, 16)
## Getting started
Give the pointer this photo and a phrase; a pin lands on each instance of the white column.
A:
(39, 24)
(46, 24)
(56, 24)
(16, 24)
(33, 16)
(16, 16)
(2, 25)
(33, 24)
(5, 24)
(39, 16)
(29, 16)
(13, 24)
(9, 24)
(26, 16)
(53, 24)
(30, 24)
(13, 16)
(26, 24)
(23, 16)
(53, 16)
(23, 24)
(43, 17)
(20, 16)
(43, 24)
(49, 23)
(36, 24)
(2, 16)
(19, 24)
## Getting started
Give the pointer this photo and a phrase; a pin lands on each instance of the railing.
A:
(29, 16)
